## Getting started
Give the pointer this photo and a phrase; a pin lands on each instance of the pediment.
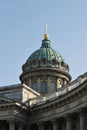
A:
(31, 90)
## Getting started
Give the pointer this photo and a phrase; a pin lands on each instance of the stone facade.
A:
(66, 111)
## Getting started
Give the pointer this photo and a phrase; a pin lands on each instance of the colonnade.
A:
(75, 121)
(12, 125)
(69, 122)
(48, 81)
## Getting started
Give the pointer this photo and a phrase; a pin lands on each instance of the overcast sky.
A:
(22, 28)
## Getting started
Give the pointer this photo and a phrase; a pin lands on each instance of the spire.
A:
(46, 36)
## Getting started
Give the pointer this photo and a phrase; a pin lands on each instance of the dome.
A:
(45, 70)
(45, 56)
(45, 52)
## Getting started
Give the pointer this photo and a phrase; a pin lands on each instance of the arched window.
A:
(53, 86)
(53, 62)
(43, 86)
(44, 61)
(34, 86)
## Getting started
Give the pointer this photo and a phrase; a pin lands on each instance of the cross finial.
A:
(46, 35)
(46, 28)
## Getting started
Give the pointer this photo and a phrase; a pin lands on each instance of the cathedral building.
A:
(46, 98)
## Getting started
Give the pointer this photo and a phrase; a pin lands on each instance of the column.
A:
(82, 121)
(65, 82)
(41, 126)
(68, 123)
(20, 127)
(39, 84)
(11, 125)
(48, 84)
(57, 83)
(27, 128)
(3, 128)
(30, 83)
(55, 124)
(63, 124)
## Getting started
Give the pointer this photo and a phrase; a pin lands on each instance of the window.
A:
(44, 62)
(53, 62)
(43, 86)
(34, 86)
(53, 86)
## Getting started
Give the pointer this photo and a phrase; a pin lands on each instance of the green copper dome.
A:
(45, 53)
(45, 56)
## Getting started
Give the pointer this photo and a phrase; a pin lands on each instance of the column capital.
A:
(40, 123)
(11, 120)
(69, 117)
(82, 113)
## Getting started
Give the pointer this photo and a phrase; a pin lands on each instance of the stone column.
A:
(63, 124)
(65, 82)
(55, 124)
(27, 128)
(57, 83)
(39, 84)
(41, 126)
(68, 123)
(30, 83)
(3, 128)
(20, 127)
(82, 121)
(48, 84)
(11, 125)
